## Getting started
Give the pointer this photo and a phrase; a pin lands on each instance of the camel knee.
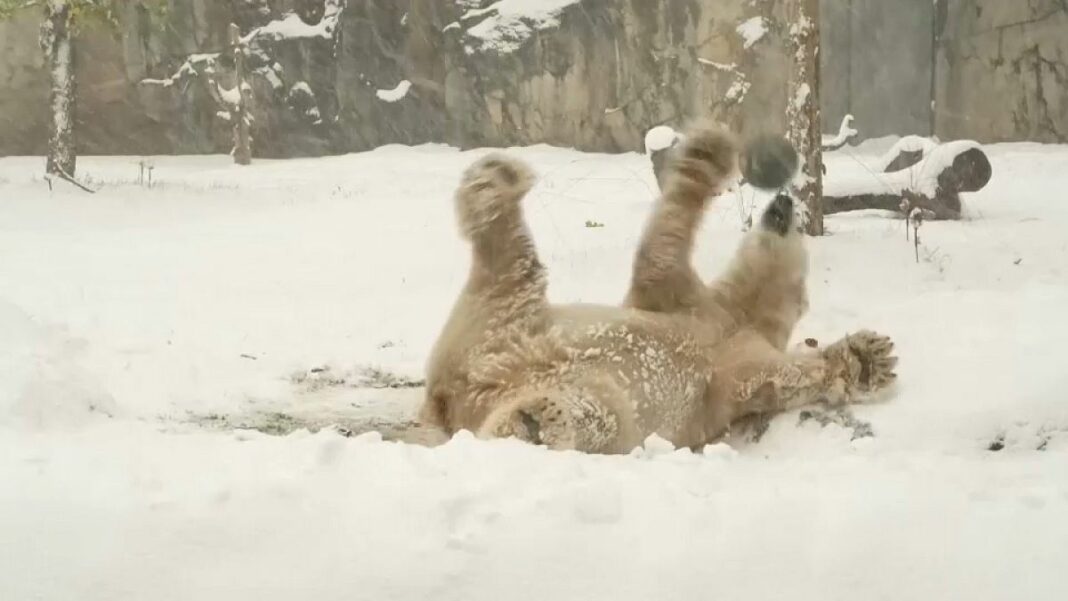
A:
(489, 193)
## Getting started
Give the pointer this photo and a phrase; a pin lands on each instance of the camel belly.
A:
(657, 361)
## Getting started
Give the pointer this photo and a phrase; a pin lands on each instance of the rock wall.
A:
(1002, 70)
(23, 88)
(114, 115)
(612, 70)
(990, 70)
(595, 76)
(877, 64)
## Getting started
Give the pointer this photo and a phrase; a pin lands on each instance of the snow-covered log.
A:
(916, 175)
(845, 134)
(906, 152)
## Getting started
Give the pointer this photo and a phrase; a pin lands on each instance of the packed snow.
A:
(396, 93)
(182, 362)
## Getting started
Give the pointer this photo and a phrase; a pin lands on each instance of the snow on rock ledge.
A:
(752, 30)
(292, 27)
(504, 26)
(396, 93)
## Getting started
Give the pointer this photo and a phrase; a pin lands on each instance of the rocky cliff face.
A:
(592, 74)
(611, 70)
(1002, 70)
(23, 88)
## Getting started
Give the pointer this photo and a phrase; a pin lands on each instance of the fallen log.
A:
(906, 152)
(915, 175)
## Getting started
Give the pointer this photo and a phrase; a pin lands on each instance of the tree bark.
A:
(59, 53)
(803, 108)
(242, 113)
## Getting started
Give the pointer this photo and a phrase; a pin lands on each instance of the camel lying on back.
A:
(681, 358)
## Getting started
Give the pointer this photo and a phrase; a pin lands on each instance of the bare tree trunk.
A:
(803, 107)
(242, 113)
(56, 43)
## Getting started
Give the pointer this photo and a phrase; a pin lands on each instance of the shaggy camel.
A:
(681, 358)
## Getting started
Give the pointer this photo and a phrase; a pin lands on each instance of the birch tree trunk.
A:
(56, 43)
(803, 108)
(242, 113)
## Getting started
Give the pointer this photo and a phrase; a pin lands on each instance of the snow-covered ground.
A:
(144, 331)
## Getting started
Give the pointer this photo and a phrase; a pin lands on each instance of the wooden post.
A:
(242, 113)
(803, 107)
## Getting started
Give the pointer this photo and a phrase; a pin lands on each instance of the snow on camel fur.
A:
(680, 358)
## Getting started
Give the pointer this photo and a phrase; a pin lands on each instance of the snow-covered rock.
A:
(752, 31)
(396, 93)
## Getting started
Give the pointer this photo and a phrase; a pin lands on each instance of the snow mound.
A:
(44, 383)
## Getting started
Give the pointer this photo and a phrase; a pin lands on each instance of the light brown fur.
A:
(680, 359)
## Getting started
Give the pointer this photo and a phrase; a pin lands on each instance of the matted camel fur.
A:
(680, 358)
